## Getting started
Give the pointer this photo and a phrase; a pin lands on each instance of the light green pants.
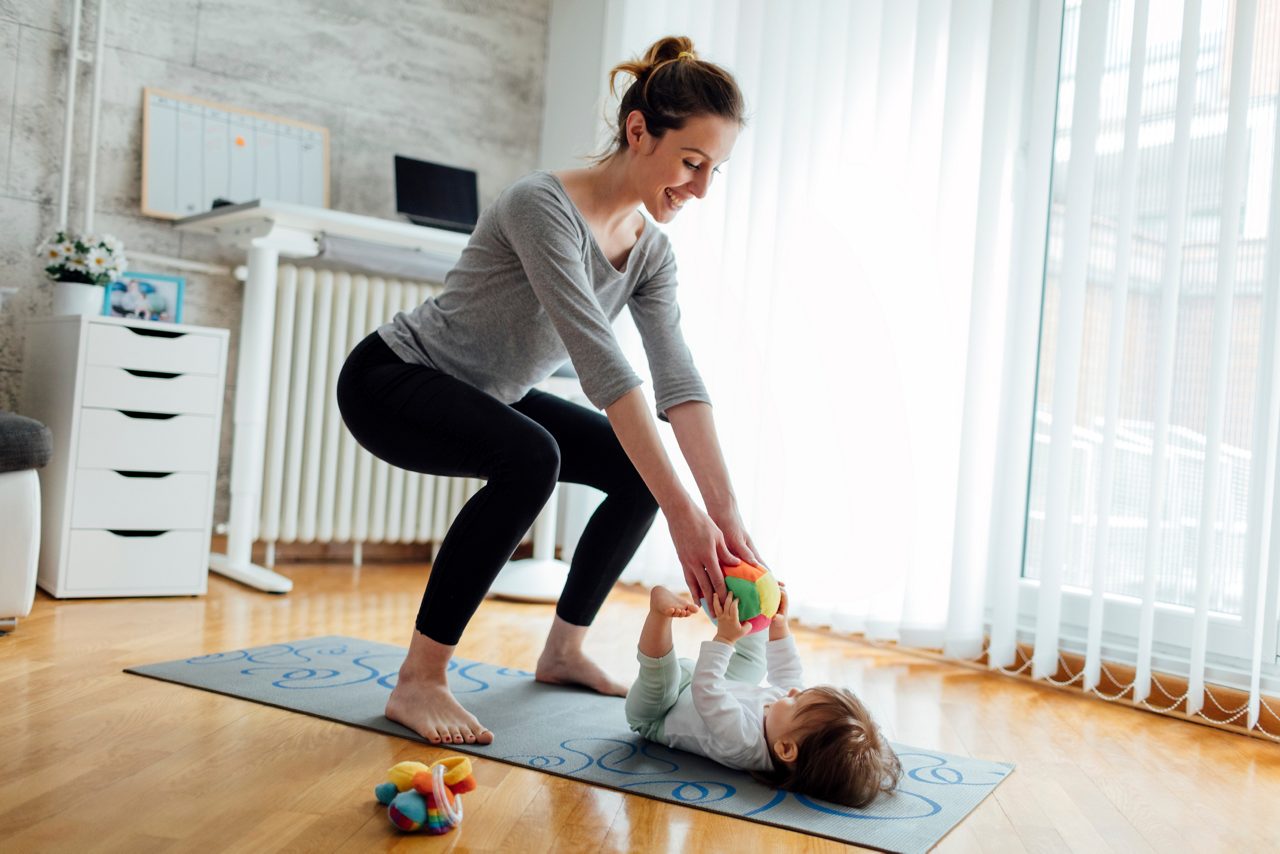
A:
(663, 680)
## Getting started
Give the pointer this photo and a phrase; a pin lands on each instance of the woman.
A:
(446, 389)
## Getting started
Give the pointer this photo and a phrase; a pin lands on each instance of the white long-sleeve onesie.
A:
(724, 720)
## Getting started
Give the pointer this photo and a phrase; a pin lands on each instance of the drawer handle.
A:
(123, 473)
(135, 533)
(156, 416)
(155, 333)
(153, 375)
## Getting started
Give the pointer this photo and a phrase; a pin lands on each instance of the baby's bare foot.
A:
(571, 667)
(430, 710)
(668, 604)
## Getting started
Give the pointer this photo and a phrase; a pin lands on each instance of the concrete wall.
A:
(455, 81)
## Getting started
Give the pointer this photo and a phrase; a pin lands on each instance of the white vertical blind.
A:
(1029, 210)
(1090, 51)
(1224, 292)
(992, 103)
(1170, 281)
(1264, 516)
(1116, 340)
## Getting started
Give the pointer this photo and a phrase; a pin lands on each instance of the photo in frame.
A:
(145, 296)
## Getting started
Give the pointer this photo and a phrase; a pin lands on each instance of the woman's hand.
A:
(728, 628)
(701, 549)
(735, 534)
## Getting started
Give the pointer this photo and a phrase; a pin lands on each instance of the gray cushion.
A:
(24, 443)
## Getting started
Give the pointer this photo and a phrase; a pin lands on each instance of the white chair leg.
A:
(8, 624)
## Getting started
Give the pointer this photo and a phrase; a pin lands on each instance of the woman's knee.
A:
(533, 459)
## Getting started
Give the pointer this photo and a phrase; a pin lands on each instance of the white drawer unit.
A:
(136, 409)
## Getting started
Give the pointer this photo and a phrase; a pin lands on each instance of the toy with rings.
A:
(426, 797)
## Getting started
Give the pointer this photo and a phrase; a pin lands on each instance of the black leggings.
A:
(420, 419)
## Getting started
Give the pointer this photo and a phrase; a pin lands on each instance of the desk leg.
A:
(539, 578)
(248, 442)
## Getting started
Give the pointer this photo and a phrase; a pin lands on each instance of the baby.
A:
(817, 741)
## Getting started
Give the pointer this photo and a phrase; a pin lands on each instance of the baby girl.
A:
(818, 741)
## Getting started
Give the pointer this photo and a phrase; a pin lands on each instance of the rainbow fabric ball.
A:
(408, 811)
(757, 593)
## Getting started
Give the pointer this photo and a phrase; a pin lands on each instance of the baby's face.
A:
(780, 715)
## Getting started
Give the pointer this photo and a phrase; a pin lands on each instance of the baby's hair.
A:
(671, 86)
(842, 756)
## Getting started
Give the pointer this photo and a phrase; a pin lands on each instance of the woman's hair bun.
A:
(670, 86)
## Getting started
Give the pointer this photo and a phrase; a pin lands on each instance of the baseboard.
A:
(345, 552)
(1111, 687)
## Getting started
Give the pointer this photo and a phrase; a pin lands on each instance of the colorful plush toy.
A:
(427, 797)
(757, 593)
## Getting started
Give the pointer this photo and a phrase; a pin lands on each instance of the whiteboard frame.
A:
(149, 91)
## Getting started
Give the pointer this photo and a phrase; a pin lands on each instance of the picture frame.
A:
(145, 296)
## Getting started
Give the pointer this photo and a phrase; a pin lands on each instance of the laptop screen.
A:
(436, 195)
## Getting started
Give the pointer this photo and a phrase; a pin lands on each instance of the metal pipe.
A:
(73, 49)
(90, 183)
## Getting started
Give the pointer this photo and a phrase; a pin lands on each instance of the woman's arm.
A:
(698, 541)
(695, 430)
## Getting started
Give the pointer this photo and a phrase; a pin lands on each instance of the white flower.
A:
(97, 261)
(55, 253)
(76, 265)
(113, 244)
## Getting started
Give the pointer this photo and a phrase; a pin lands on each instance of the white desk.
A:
(268, 231)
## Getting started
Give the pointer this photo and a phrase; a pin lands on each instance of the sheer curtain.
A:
(827, 286)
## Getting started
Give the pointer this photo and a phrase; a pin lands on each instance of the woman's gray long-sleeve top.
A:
(533, 288)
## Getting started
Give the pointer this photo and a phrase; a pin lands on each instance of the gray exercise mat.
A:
(576, 733)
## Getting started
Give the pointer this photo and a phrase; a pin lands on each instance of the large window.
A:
(1167, 223)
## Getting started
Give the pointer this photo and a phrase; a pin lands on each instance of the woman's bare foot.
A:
(430, 710)
(423, 702)
(666, 603)
(574, 668)
(564, 663)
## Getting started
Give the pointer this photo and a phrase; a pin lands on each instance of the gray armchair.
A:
(25, 445)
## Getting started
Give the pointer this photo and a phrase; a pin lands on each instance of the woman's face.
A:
(678, 166)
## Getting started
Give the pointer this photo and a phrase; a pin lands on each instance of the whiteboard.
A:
(194, 151)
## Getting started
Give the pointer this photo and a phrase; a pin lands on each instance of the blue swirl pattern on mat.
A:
(932, 783)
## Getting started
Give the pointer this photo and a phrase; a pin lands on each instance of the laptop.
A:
(435, 195)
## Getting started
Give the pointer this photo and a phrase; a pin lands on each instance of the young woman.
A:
(446, 388)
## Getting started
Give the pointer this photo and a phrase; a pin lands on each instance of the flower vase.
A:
(77, 298)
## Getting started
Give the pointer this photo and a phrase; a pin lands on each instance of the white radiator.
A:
(318, 484)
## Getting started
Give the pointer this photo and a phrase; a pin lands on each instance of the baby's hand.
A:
(778, 627)
(728, 629)
(782, 603)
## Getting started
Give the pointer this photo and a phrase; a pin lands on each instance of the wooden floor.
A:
(93, 759)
